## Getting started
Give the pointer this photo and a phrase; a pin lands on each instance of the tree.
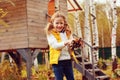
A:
(87, 31)
(94, 28)
(114, 27)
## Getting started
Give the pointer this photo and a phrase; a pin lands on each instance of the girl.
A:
(59, 38)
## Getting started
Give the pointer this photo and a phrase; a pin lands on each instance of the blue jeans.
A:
(63, 68)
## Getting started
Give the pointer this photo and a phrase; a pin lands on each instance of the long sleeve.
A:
(53, 42)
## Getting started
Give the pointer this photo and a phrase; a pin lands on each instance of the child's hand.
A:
(76, 43)
(68, 42)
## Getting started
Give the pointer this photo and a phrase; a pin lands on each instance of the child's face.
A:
(58, 24)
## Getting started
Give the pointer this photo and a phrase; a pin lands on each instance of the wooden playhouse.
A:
(25, 34)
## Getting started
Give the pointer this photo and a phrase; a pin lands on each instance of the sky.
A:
(104, 1)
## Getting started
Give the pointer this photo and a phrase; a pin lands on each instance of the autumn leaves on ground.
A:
(10, 72)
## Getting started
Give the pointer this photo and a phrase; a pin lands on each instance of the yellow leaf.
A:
(8, 1)
(11, 2)
(2, 13)
(3, 23)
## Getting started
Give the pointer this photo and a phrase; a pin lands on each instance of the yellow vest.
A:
(54, 54)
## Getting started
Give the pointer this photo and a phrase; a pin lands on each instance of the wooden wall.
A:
(26, 21)
(37, 20)
(15, 35)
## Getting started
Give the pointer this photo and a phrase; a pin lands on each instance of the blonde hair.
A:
(50, 26)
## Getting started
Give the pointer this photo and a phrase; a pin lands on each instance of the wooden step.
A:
(89, 73)
(96, 70)
(87, 63)
(79, 58)
(104, 77)
(99, 73)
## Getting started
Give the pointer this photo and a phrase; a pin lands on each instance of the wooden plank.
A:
(7, 32)
(37, 3)
(37, 15)
(34, 24)
(36, 29)
(38, 44)
(20, 14)
(10, 46)
(14, 28)
(34, 5)
(37, 39)
(16, 2)
(36, 21)
(16, 40)
(16, 23)
(17, 8)
(13, 36)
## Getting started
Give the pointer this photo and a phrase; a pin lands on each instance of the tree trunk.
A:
(87, 31)
(114, 27)
(94, 29)
(77, 25)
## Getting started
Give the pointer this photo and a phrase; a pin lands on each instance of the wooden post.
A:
(34, 59)
(26, 54)
(2, 56)
(47, 61)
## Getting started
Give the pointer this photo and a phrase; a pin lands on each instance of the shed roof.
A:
(73, 5)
